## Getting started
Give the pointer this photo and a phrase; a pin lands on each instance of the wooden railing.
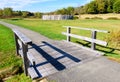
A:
(22, 43)
(93, 39)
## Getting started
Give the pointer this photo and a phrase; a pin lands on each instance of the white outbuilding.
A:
(57, 17)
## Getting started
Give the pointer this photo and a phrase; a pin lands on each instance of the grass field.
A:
(7, 48)
(53, 29)
(8, 59)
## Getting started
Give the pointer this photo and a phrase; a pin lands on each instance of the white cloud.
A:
(15, 4)
(85, 2)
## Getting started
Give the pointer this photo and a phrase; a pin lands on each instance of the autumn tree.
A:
(1, 13)
(38, 14)
(92, 8)
(70, 11)
(24, 14)
(116, 6)
(7, 12)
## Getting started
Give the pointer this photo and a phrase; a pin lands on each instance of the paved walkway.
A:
(88, 67)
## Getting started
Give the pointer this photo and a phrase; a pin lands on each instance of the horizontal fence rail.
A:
(90, 29)
(93, 39)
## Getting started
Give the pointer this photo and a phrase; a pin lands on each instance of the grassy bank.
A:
(9, 62)
(53, 29)
(7, 48)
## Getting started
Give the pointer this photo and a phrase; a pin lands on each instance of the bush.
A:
(112, 18)
(75, 17)
(14, 19)
(96, 18)
(87, 18)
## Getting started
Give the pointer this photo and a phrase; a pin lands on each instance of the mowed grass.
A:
(7, 49)
(8, 57)
(53, 29)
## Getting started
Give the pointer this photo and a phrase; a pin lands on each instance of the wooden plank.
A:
(32, 73)
(87, 39)
(90, 29)
(31, 58)
(22, 37)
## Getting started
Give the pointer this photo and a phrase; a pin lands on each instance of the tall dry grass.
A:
(103, 16)
(114, 38)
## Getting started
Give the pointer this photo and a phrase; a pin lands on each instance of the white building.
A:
(57, 17)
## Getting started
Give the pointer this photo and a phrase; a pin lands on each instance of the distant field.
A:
(53, 29)
(103, 16)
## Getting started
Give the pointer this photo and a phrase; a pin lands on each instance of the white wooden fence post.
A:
(93, 45)
(68, 32)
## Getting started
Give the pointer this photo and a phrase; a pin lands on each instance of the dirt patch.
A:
(10, 71)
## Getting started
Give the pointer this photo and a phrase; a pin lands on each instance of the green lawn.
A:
(8, 58)
(7, 48)
(53, 29)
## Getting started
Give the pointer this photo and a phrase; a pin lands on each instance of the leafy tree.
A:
(24, 14)
(77, 10)
(7, 12)
(85, 9)
(102, 6)
(92, 8)
(110, 6)
(116, 6)
(38, 14)
(1, 13)
(70, 10)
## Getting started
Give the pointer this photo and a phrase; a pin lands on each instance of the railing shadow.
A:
(49, 59)
(106, 50)
(65, 54)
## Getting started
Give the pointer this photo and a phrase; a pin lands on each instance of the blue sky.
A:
(41, 5)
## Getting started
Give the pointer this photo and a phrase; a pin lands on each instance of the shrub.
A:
(96, 18)
(75, 17)
(112, 18)
(14, 19)
(87, 18)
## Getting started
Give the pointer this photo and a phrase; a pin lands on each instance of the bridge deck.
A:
(55, 56)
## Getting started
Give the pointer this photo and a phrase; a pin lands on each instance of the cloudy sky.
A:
(40, 5)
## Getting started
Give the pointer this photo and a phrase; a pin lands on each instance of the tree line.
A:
(8, 13)
(101, 7)
(94, 7)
